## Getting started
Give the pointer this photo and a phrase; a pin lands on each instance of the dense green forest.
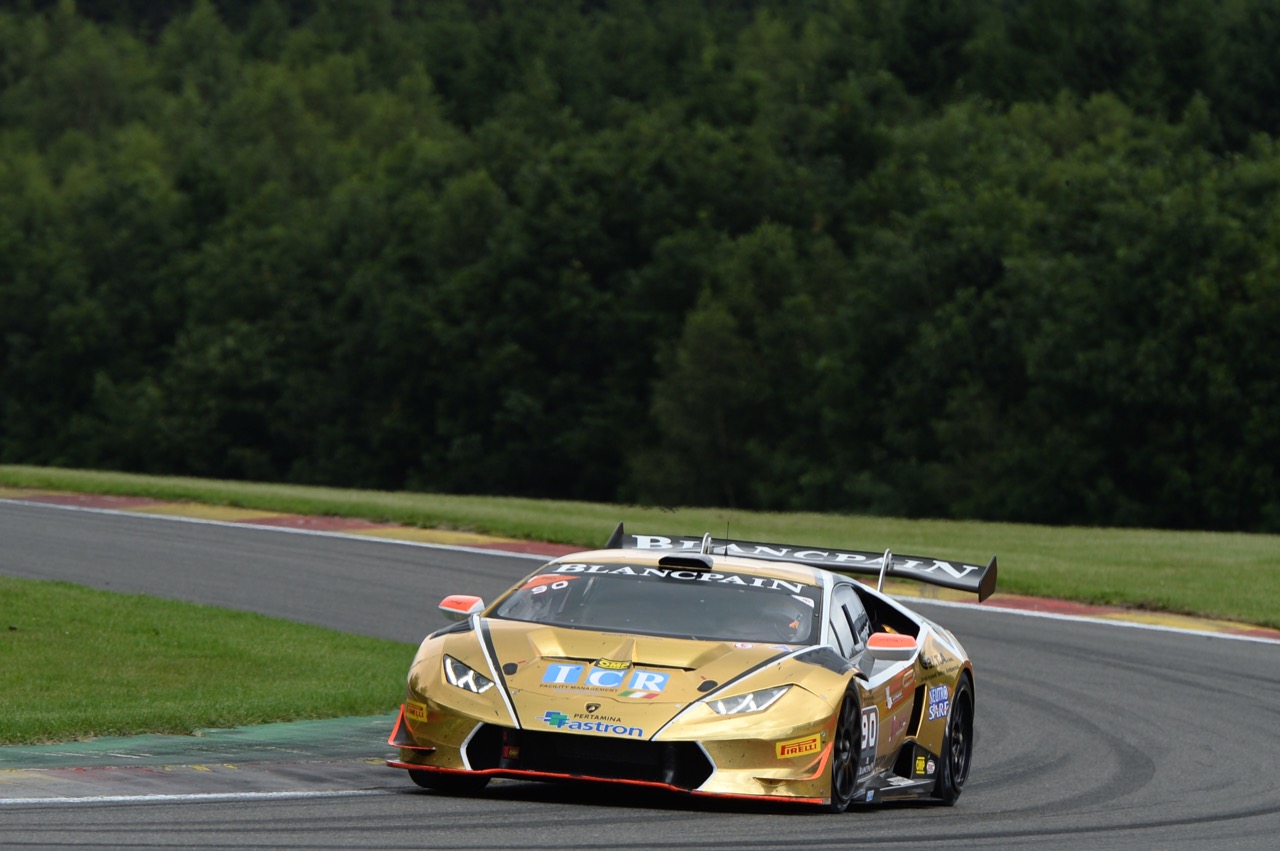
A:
(1011, 260)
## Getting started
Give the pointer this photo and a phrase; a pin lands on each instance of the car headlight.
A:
(463, 677)
(756, 701)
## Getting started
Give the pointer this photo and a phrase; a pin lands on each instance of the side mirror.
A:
(891, 646)
(459, 607)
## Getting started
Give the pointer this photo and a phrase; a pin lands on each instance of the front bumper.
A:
(793, 768)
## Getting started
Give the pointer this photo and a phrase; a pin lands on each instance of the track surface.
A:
(1088, 735)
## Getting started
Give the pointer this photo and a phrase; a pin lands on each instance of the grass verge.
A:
(1232, 576)
(79, 663)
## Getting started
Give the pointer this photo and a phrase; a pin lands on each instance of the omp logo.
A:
(562, 722)
(610, 665)
(798, 747)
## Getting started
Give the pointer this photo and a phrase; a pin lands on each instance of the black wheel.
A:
(845, 750)
(448, 783)
(957, 745)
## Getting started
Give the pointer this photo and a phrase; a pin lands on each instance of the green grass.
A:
(79, 663)
(1222, 575)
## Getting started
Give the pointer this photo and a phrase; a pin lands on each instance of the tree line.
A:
(1015, 261)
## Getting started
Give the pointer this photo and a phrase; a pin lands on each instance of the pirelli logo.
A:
(415, 711)
(798, 747)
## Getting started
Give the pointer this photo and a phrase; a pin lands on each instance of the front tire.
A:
(449, 783)
(846, 748)
(957, 745)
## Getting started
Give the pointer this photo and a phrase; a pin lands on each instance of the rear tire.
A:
(846, 748)
(957, 745)
(448, 783)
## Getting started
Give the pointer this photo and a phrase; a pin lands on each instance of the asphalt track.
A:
(1089, 734)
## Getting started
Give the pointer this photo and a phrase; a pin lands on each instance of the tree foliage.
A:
(1010, 261)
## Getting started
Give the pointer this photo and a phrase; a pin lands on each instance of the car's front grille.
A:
(680, 764)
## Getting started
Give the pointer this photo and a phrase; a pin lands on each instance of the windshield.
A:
(700, 604)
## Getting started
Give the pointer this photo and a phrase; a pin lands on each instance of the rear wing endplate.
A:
(961, 576)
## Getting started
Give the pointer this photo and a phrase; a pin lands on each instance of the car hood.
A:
(611, 683)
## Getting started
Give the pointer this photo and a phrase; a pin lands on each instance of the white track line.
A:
(1027, 613)
(506, 553)
(192, 797)
(289, 530)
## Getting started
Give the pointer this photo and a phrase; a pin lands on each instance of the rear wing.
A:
(960, 576)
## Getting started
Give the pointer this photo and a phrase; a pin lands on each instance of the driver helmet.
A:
(788, 619)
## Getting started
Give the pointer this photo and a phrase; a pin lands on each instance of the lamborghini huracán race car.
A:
(703, 666)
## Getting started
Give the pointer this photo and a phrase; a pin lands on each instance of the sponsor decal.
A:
(939, 702)
(610, 665)
(685, 576)
(901, 564)
(896, 724)
(637, 694)
(925, 765)
(560, 721)
(899, 686)
(540, 583)
(936, 665)
(510, 751)
(870, 738)
(415, 711)
(596, 677)
(798, 747)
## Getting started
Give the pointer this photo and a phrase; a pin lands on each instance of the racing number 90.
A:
(870, 728)
(555, 586)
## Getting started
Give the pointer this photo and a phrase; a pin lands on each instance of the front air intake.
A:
(680, 764)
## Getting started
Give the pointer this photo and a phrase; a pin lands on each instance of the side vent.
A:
(917, 704)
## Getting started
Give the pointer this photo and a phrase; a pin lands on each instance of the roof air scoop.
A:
(696, 561)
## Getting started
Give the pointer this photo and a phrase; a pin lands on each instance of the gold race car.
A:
(703, 666)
